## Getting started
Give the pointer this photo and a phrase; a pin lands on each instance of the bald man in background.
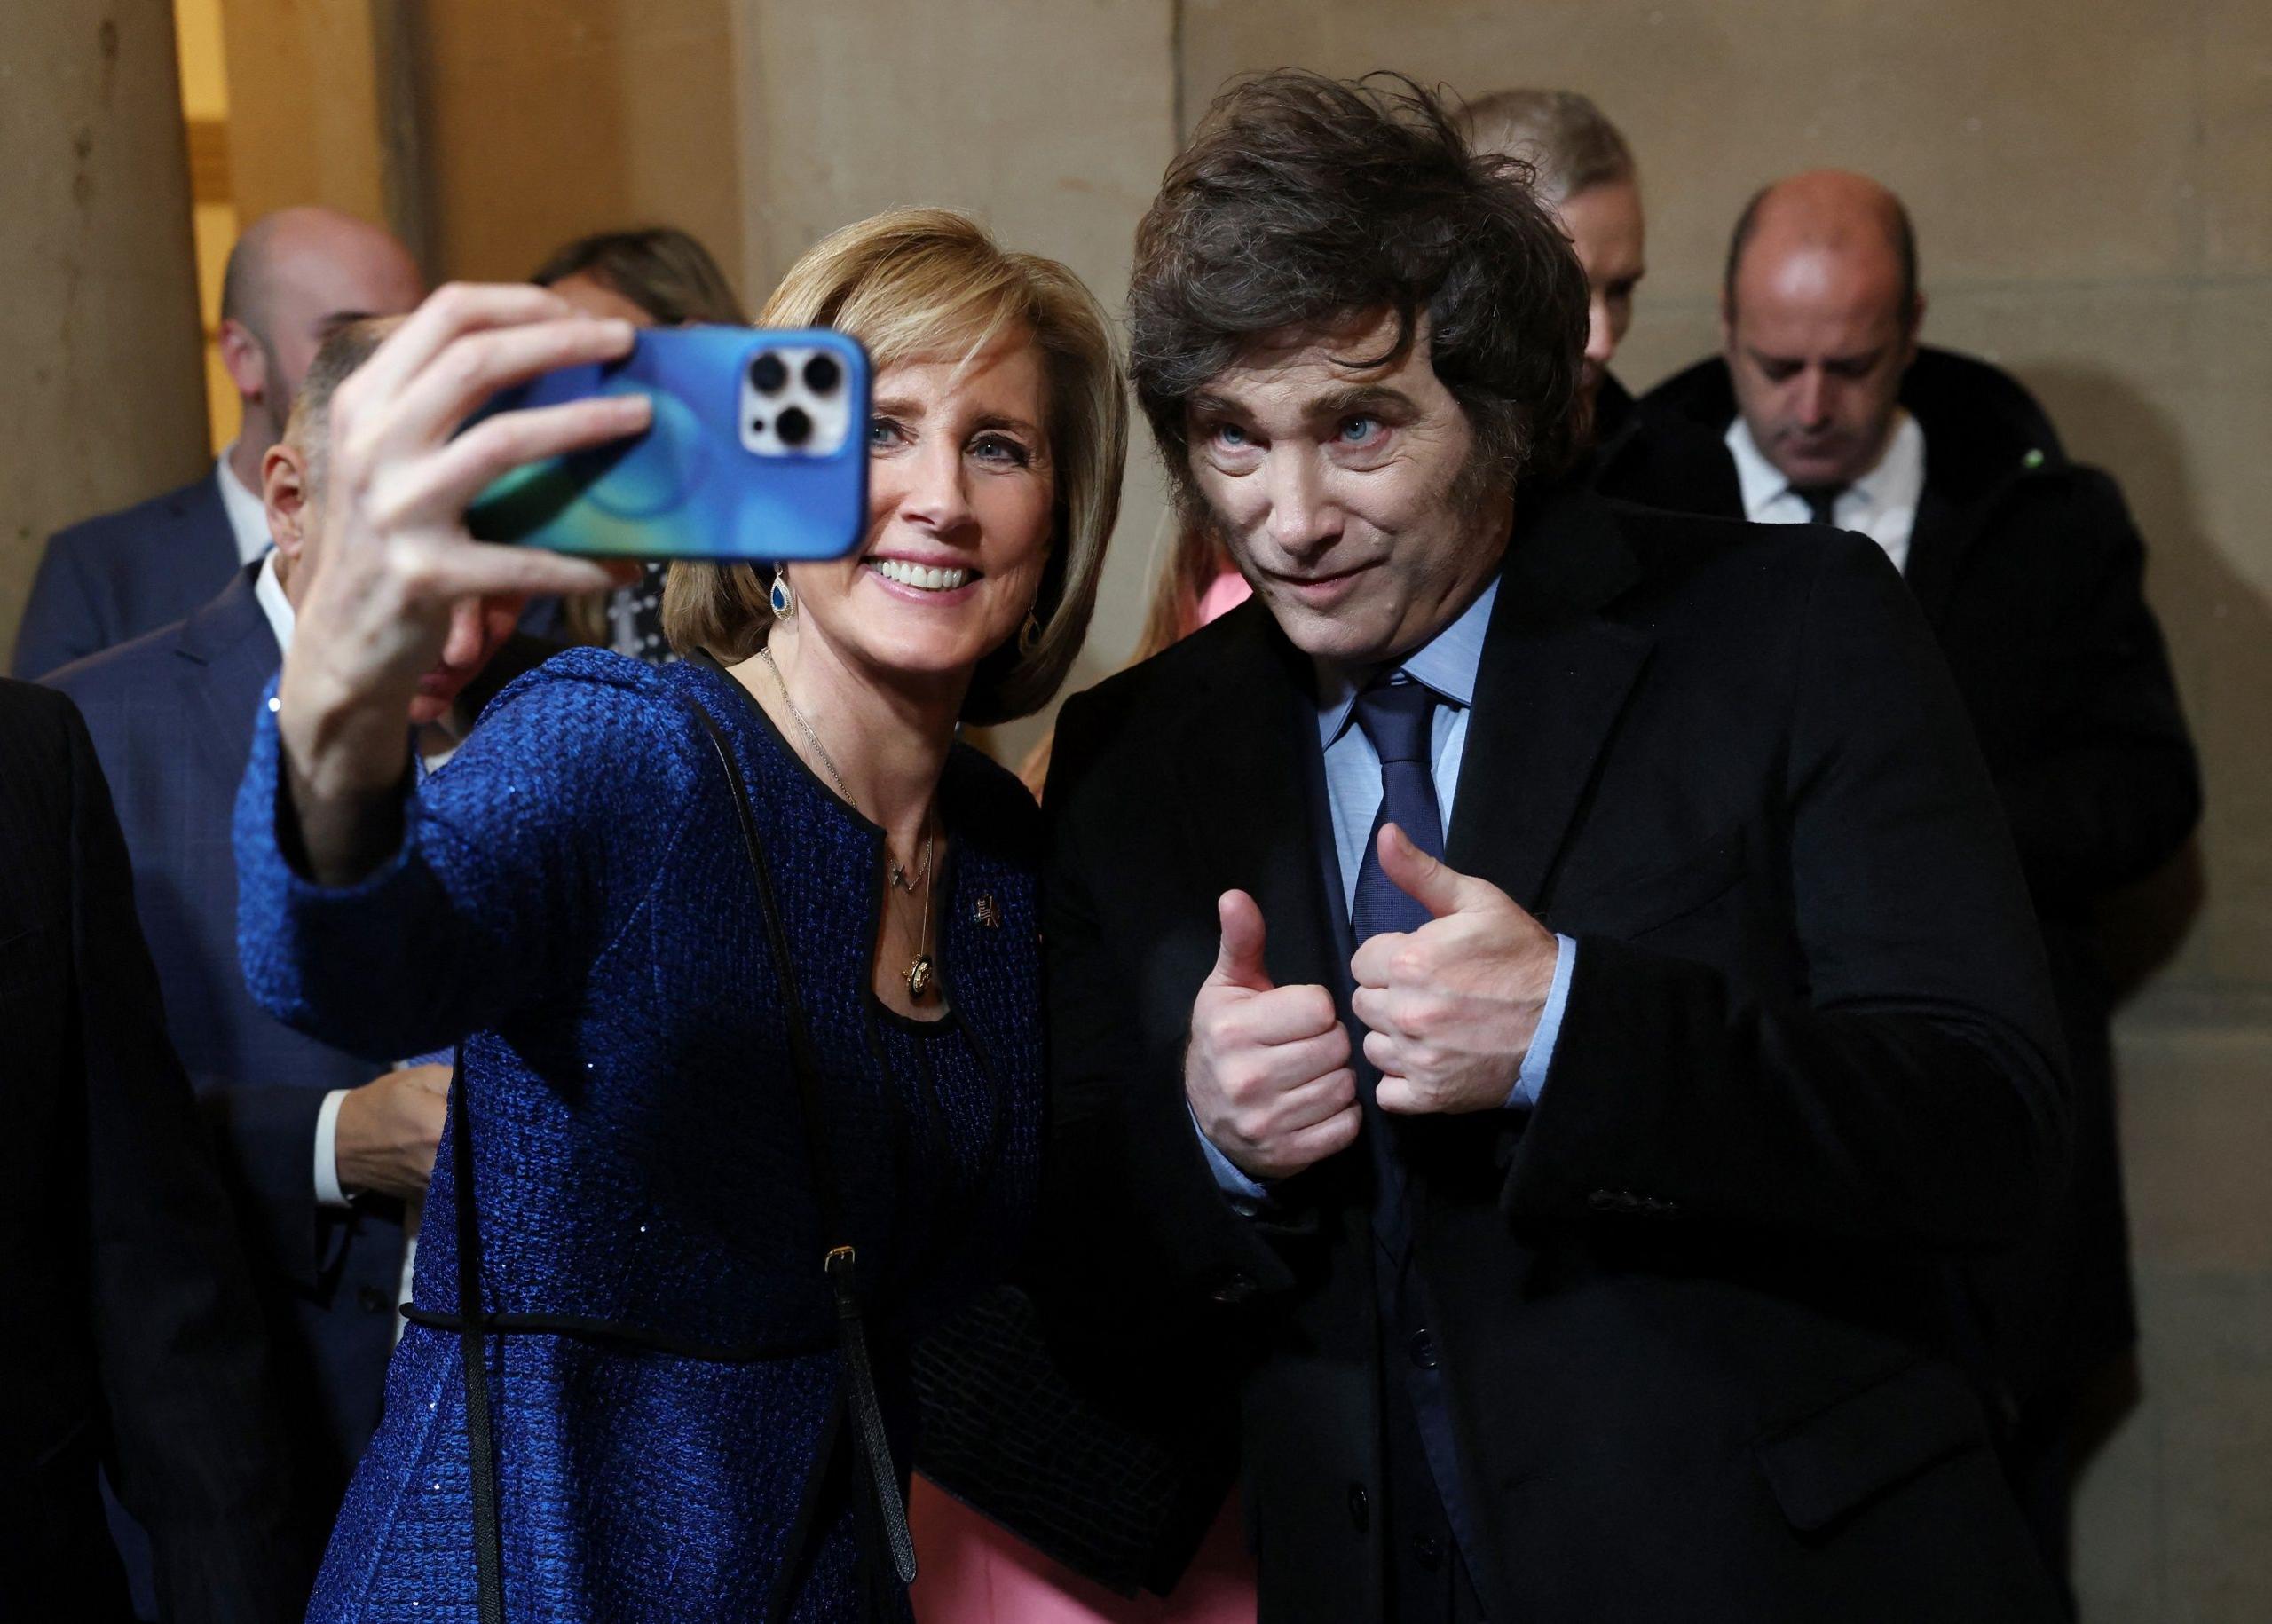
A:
(1824, 408)
(294, 276)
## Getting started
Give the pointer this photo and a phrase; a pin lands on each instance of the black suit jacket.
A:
(1692, 1321)
(132, 1335)
(120, 575)
(2030, 573)
(171, 716)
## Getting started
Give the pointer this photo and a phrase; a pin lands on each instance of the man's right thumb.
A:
(1239, 963)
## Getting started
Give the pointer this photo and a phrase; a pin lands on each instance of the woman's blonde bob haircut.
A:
(929, 282)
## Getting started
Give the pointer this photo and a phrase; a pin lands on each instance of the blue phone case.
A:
(758, 450)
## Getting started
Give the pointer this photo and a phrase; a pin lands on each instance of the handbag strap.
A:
(481, 1451)
(840, 1258)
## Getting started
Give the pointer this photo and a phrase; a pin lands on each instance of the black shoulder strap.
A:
(481, 1453)
(839, 1258)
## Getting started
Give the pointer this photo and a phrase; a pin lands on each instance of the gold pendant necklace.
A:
(918, 972)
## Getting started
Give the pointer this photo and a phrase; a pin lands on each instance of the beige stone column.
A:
(98, 333)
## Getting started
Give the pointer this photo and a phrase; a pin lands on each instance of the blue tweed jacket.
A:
(572, 899)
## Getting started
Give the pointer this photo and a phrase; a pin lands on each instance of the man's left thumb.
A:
(1425, 880)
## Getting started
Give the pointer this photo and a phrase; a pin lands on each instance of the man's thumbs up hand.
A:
(1452, 1006)
(1267, 1071)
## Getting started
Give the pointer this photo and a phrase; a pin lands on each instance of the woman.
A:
(675, 1429)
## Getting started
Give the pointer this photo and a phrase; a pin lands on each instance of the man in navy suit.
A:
(294, 276)
(328, 1152)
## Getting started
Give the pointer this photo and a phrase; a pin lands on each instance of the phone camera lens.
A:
(768, 373)
(793, 427)
(821, 374)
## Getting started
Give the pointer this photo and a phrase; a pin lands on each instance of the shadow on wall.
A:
(2220, 631)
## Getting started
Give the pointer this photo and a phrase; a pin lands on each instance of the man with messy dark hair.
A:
(1536, 993)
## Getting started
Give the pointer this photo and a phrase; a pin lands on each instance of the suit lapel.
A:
(1246, 784)
(1938, 541)
(231, 654)
(207, 549)
(1554, 676)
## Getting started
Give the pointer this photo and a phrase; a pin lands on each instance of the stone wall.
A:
(99, 335)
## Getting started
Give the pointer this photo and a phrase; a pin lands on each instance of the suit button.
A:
(1429, 1550)
(370, 1299)
(1233, 1288)
(1360, 1508)
(1423, 1350)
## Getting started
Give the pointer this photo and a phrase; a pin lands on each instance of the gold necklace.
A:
(919, 971)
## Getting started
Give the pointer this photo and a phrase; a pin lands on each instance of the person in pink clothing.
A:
(972, 1570)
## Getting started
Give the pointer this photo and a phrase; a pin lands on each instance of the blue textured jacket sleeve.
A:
(517, 862)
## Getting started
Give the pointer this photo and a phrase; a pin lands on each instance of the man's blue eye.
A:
(1356, 430)
(881, 433)
(1230, 434)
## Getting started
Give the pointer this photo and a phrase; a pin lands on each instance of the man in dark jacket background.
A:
(133, 1341)
(1824, 408)
(294, 278)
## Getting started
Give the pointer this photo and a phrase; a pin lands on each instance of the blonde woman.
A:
(704, 1049)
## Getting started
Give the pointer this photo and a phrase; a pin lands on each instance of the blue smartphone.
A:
(758, 450)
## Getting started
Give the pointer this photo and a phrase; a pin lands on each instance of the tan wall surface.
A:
(1050, 120)
(304, 106)
(2093, 193)
(98, 337)
(543, 120)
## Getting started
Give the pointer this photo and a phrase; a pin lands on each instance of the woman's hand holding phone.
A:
(391, 561)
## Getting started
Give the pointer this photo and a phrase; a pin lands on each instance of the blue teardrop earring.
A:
(784, 601)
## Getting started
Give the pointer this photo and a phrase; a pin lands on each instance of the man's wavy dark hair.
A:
(1304, 202)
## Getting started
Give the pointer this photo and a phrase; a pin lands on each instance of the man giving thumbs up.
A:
(1694, 1010)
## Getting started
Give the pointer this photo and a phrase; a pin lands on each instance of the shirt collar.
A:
(1899, 479)
(1896, 479)
(1446, 663)
(270, 592)
(1761, 481)
(247, 514)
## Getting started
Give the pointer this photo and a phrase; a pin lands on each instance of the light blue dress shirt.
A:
(1446, 664)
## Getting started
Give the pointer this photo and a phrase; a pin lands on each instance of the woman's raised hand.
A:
(389, 558)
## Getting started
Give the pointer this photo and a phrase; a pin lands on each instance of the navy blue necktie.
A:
(1398, 716)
